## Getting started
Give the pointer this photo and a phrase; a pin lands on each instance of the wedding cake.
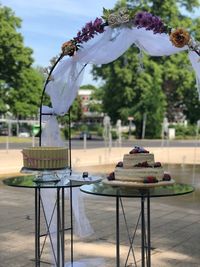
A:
(139, 166)
(45, 158)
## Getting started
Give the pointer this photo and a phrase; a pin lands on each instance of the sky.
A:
(47, 24)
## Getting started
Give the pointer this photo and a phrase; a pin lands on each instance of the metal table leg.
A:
(63, 228)
(130, 237)
(71, 226)
(59, 206)
(143, 232)
(58, 227)
(148, 232)
(117, 234)
(37, 227)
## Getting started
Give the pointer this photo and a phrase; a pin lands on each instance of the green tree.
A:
(20, 83)
(125, 94)
(165, 83)
(76, 113)
(76, 110)
(24, 99)
(88, 86)
(179, 82)
(95, 104)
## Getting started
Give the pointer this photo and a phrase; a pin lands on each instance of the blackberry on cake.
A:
(166, 177)
(111, 176)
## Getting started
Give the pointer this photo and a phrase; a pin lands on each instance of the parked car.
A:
(4, 131)
(24, 133)
(88, 135)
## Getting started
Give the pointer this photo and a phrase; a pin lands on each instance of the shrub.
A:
(114, 135)
(183, 131)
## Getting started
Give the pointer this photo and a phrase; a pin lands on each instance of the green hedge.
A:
(182, 131)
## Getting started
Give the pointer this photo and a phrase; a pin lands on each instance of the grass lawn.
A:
(15, 139)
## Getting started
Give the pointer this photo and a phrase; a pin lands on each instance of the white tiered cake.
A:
(139, 168)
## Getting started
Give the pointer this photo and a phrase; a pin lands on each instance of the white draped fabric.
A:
(102, 49)
(51, 137)
(195, 61)
(68, 74)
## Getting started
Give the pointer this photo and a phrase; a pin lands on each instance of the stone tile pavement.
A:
(175, 230)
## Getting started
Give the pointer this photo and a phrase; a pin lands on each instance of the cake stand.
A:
(47, 175)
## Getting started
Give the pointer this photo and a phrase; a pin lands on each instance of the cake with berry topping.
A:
(139, 166)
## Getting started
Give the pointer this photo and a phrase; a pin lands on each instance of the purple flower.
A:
(98, 25)
(90, 29)
(148, 21)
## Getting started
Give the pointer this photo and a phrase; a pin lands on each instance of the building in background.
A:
(87, 100)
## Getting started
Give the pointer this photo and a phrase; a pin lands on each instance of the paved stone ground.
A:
(175, 224)
(175, 231)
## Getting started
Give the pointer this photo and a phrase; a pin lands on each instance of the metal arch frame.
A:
(51, 114)
(60, 257)
(37, 212)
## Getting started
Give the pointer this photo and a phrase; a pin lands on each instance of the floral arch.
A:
(103, 41)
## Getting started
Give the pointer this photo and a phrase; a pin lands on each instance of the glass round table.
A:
(28, 181)
(145, 194)
(44, 191)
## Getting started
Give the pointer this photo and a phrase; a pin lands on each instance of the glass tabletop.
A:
(102, 189)
(28, 181)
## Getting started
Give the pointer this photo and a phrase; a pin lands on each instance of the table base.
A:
(58, 249)
(144, 218)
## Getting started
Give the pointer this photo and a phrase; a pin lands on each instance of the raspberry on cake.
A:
(150, 179)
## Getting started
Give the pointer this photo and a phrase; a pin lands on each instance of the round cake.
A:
(138, 168)
(45, 158)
